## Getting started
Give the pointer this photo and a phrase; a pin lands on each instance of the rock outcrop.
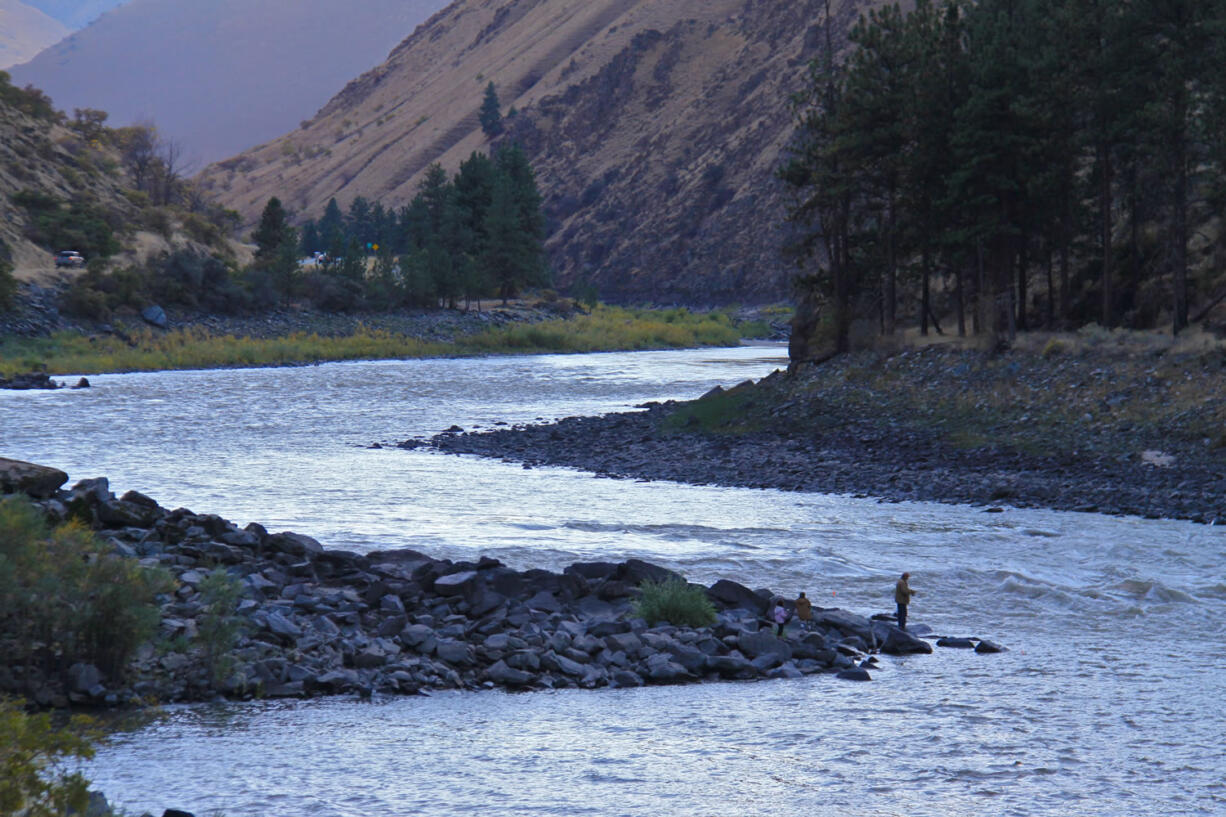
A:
(318, 621)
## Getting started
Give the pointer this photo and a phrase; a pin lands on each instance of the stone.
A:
(391, 604)
(339, 680)
(902, 642)
(762, 643)
(593, 570)
(524, 659)
(37, 481)
(456, 653)
(854, 674)
(731, 666)
(607, 627)
(591, 607)
(727, 593)
(83, 677)
(544, 600)
(985, 646)
(635, 571)
(278, 624)
(500, 673)
(154, 315)
(956, 643)
(661, 668)
(456, 584)
(293, 544)
(625, 678)
(845, 622)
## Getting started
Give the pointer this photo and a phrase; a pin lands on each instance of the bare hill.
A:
(75, 13)
(223, 75)
(655, 127)
(24, 31)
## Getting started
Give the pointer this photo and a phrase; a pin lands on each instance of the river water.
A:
(1111, 700)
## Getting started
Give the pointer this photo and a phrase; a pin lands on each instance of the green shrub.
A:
(674, 601)
(80, 226)
(219, 626)
(64, 599)
(34, 759)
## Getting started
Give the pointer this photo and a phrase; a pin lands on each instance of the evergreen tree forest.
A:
(1002, 165)
(475, 235)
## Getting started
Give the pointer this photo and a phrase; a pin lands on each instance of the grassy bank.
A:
(605, 329)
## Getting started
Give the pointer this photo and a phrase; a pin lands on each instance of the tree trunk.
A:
(959, 295)
(925, 309)
(1179, 254)
(1049, 319)
(1105, 207)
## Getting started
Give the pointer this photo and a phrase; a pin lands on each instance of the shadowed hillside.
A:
(654, 128)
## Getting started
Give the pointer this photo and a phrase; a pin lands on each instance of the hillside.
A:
(61, 191)
(75, 13)
(24, 31)
(654, 127)
(221, 76)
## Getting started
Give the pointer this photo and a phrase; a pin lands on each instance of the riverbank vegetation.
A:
(605, 328)
(35, 757)
(66, 599)
(1001, 166)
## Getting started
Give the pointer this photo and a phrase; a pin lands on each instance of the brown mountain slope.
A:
(24, 31)
(222, 75)
(654, 125)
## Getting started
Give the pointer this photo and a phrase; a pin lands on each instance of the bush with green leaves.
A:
(676, 602)
(65, 598)
(35, 757)
(219, 627)
(79, 225)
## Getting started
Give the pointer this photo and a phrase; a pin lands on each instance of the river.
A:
(1110, 701)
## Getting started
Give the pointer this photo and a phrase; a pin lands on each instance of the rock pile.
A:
(322, 621)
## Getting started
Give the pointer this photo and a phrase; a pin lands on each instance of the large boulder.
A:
(846, 623)
(756, 645)
(635, 571)
(900, 642)
(730, 594)
(507, 676)
(294, 544)
(37, 481)
(456, 584)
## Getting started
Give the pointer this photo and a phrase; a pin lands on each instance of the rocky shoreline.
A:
(37, 314)
(318, 621)
(898, 428)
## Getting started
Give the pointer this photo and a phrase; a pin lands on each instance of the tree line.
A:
(474, 235)
(1012, 162)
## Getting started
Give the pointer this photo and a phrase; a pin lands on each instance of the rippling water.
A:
(1110, 702)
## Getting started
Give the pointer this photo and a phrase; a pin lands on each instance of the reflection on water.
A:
(1109, 701)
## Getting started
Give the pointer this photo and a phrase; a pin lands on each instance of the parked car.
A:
(69, 258)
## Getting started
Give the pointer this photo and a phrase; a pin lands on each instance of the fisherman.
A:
(804, 610)
(902, 596)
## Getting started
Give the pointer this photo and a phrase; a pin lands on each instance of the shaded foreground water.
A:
(1110, 701)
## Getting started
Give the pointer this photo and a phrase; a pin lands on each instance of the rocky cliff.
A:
(654, 125)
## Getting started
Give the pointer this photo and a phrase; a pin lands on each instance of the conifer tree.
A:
(491, 112)
(276, 246)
